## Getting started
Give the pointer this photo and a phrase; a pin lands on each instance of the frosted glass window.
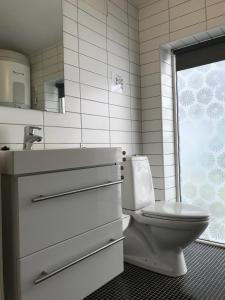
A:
(201, 121)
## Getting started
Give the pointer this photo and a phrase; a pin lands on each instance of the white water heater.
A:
(14, 79)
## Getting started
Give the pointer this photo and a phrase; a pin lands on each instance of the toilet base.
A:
(174, 266)
(143, 248)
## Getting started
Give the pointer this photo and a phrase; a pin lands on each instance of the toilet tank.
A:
(14, 79)
(137, 188)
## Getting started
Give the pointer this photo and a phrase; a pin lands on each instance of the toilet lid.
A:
(175, 211)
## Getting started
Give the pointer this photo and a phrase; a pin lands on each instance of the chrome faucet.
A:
(30, 137)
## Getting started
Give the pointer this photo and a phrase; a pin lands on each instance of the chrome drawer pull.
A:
(45, 275)
(94, 187)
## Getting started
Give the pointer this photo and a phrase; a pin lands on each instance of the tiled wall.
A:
(163, 25)
(97, 44)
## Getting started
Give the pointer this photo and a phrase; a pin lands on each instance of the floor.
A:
(205, 280)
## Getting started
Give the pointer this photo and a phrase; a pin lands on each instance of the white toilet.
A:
(158, 231)
(125, 221)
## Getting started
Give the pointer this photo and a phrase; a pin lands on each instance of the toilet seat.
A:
(175, 212)
(125, 221)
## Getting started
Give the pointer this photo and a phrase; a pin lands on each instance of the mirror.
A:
(31, 54)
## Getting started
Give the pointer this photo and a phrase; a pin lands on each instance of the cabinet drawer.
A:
(80, 279)
(45, 223)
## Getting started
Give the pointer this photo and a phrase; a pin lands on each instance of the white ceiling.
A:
(139, 3)
(30, 25)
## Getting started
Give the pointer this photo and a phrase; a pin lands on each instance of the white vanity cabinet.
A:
(62, 228)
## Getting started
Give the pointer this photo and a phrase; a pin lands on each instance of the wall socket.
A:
(117, 83)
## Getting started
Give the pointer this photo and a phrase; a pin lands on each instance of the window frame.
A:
(176, 129)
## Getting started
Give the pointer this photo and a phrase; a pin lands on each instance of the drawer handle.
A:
(45, 275)
(94, 187)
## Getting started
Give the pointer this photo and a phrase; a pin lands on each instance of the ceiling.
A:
(139, 3)
(30, 25)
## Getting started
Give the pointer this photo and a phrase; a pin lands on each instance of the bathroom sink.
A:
(27, 162)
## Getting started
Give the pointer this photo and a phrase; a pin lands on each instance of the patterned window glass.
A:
(201, 119)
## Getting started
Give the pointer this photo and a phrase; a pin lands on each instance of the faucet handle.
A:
(30, 129)
(35, 127)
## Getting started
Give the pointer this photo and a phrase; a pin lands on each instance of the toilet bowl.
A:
(158, 231)
(125, 221)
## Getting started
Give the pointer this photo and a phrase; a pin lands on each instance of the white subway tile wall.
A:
(100, 39)
(108, 44)
(166, 24)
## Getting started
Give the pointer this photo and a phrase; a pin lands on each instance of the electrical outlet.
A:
(117, 83)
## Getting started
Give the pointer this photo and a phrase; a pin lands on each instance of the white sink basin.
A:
(27, 162)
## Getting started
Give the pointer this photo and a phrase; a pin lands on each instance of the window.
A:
(200, 74)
